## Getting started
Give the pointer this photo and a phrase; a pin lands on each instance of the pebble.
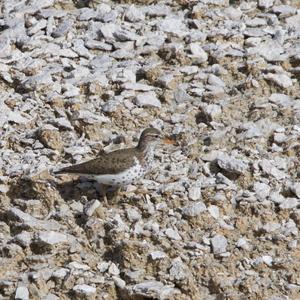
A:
(265, 4)
(133, 14)
(133, 215)
(219, 80)
(154, 289)
(31, 222)
(84, 290)
(147, 99)
(289, 203)
(24, 238)
(178, 269)
(113, 269)
(91, 207)
(262, 190)
(172, 234)
(194, 193)
(282, 80)
(219, 244)
(120, 283)
(194, 209)
(214, 211)
(51, 238)
(63, 27)
(157, 255)
(269, 168)
(22, 293)
(243, 244)
(231, 164)
(281, 99)
(198, 54)
(295, 189)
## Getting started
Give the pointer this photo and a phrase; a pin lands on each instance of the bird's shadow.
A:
(79, 188)
(76, 189)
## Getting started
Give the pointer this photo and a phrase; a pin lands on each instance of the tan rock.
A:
(50, 138)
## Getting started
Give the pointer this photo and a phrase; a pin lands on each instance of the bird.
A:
(120, 167)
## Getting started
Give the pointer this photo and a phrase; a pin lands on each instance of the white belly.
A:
(121, 179)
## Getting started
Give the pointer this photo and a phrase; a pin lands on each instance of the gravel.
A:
(218, 216)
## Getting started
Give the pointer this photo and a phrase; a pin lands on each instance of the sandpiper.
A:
(121, 167)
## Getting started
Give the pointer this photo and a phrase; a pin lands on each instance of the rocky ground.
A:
(219, 216)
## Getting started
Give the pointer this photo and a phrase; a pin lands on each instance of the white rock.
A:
(276, 197)
(289, 203)
(167, 81)
(154, 290)
(80, 49)
(134, 14)
(265, 3)
(181, 95)
(107, 30)
(243, 244)
(60, 273)
(270, 227)
(31, 222)
(212, 110)
(178, 270)
(294, 22)
(269, 168)
(261, 190)
(113, 269)
(270, 50)
(156, 255)
(295, 188)
(173, 25)
(281, 100)
(279, 138)
(133, 214)
(233, 13)
(78, 266)
(194, 193)
(63, 27)
(219, 244)
(172, 234)
(50, 297)
(214, 211)
(215, 80)
(284, 10)
(137, 86)
(120, 283)
(198, 54)
(24, 238)
(84, 290)
(293, 244)
(194, 209)
(52, 237)
(267, 259)
(231, 164)
(22, 293)
(281, 80)
(103, 266)
(91, 206)
(125, 35)
(148, 99)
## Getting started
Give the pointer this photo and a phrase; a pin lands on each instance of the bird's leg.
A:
(117, 194)
(102, 189)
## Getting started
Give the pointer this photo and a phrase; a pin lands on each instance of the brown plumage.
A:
(108, 163)
(116, 161)
(122, 166)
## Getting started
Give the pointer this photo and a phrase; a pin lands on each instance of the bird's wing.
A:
(110, 163)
